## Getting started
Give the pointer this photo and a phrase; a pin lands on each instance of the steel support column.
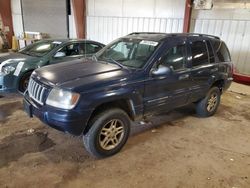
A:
(79, 9)
(5, 11)
(187, 16)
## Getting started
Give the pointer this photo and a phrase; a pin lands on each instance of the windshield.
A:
(128, 52)
(39, 49)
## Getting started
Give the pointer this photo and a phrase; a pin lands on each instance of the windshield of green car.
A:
(39, 49)
(128, 52)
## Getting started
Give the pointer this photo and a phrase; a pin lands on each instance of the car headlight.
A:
(62, 99)
(8, 69)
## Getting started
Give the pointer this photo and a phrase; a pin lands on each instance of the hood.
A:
(14, 58)
(78, 73)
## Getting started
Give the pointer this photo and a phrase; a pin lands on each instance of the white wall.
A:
(133, 8)
(110, 19)
(232, 26)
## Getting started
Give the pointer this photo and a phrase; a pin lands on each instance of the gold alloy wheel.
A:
(212, 102)
(111, 134)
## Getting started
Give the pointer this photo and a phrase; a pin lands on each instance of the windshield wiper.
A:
(35, 54)
(26, 53)
(111, 60)
(116, 62)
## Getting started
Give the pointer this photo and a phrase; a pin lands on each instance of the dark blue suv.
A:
(131, 78)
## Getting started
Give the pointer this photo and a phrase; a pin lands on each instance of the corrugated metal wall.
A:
(232, 26)
(110, 19)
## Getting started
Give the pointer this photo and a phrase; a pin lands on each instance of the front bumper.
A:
(69, 121)
(7, 83)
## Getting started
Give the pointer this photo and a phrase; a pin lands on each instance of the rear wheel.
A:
(24, 82)
(108, 133)
(208, 105)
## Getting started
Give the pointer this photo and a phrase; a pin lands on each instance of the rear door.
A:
(171, 90)
(203, 66)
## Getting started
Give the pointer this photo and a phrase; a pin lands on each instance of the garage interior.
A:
(174, 149)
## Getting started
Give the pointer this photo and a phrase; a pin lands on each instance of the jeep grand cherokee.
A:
(131, 78)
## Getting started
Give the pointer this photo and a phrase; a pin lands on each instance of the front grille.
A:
(36, 91)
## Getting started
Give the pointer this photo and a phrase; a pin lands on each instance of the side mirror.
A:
(161, 71)
(60, 54)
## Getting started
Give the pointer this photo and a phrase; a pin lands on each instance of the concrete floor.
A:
(175, 150)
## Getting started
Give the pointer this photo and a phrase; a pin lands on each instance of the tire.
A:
(209, 105)
(108, 133)
(23, 84)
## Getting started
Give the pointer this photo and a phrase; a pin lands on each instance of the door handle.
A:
(184, 76)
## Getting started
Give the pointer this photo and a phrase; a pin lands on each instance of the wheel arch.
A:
(219, 83)
(126, 105)
(21, 76)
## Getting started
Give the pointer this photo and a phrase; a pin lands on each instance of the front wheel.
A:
(108, 133)
(24, 82)
(208, 105)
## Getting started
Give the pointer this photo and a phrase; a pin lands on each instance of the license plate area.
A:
(28, 108)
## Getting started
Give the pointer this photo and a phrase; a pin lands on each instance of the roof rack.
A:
(203, 35)
(176, 34)
(137, 33)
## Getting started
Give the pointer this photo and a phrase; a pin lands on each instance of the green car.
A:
(16, 68)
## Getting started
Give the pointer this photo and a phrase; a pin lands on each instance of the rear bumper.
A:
(69, 121)
(227, 83)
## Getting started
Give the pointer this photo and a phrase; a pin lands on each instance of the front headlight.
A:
(8, 69)
(62, 99)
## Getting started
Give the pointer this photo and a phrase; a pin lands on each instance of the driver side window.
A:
(71, 49)
(175, 57)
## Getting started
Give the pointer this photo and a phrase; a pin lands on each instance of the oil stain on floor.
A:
(15, 146)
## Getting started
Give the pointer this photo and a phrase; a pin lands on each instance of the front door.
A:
(71, 51)
(168, 91)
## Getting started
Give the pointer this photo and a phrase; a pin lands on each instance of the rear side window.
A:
(221, 51)
(199, 53)
(211, 53)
